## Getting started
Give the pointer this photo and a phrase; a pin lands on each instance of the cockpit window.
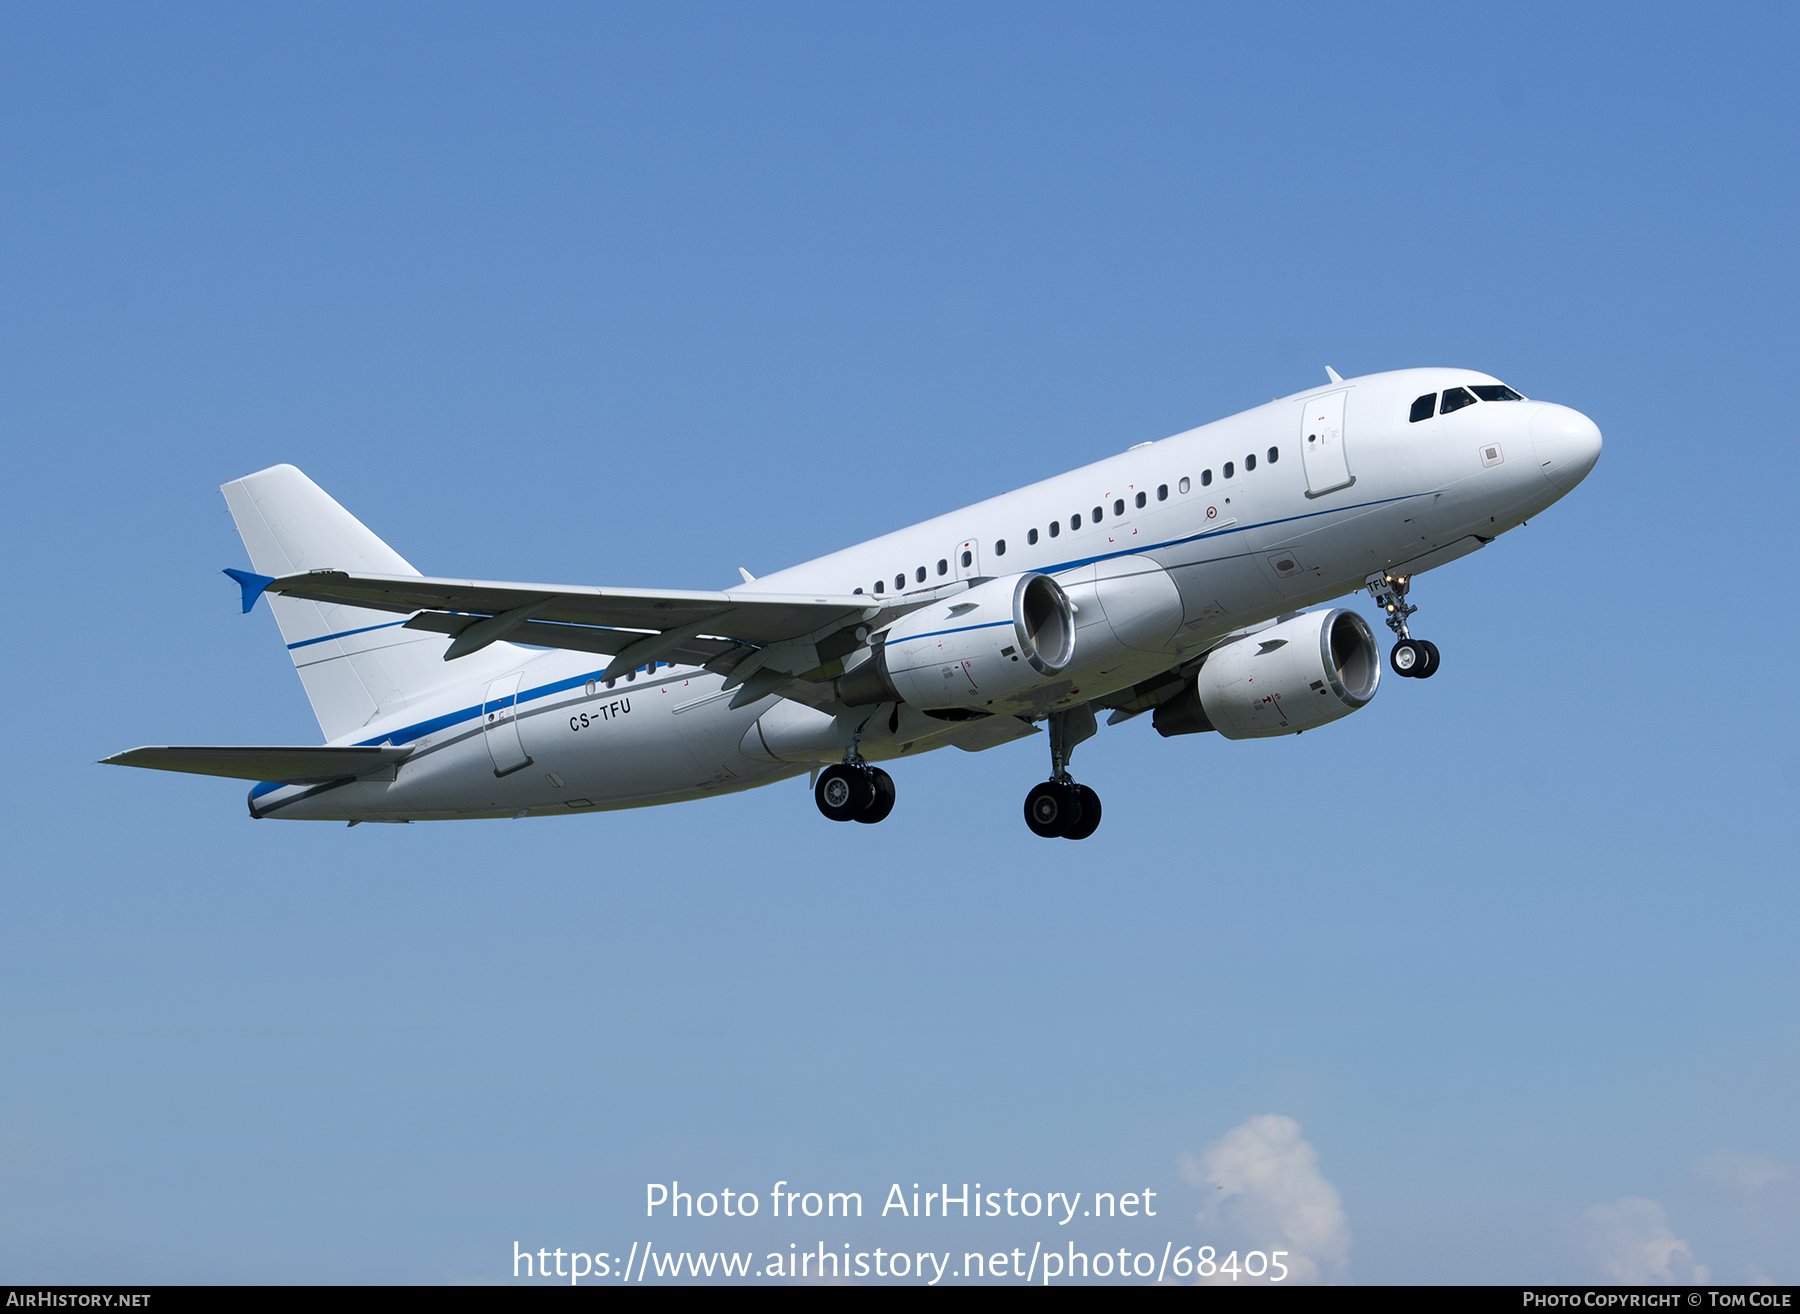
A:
(1423, 408)
(1494, 392)
(1455, 399)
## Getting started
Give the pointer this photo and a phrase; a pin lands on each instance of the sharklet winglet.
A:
(251, 584)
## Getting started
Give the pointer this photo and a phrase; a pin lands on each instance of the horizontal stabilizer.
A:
(303, 765)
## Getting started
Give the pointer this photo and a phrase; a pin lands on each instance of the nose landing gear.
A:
(1413, 658)
(1058, 807)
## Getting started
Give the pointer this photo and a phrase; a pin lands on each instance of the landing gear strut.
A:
(1059, 806)
(853, 790)
(1413, 658)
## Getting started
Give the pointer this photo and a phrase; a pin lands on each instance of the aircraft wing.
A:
(303, 765)
(795, 633)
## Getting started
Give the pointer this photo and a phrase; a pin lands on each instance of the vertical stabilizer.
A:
(356, 664)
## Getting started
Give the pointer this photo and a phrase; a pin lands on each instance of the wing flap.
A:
(297, 765)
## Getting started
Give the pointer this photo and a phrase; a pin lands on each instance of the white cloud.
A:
(1748, 1175)
(1629, 1241)
(1265, 1192)
(1765, 1192)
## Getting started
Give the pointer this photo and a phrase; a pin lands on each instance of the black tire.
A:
(1408, 658)
(843, 792)
(1052, 809)
(881, 801)
(1090, 815)
(1431, 659)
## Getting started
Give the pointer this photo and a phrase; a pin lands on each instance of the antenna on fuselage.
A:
(1333, 375)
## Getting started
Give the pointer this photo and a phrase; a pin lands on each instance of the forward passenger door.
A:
(1322, 445)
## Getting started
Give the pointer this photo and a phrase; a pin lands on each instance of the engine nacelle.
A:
(1302, 673)
(971, 648)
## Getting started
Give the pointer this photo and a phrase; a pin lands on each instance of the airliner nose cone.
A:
(1567, 443)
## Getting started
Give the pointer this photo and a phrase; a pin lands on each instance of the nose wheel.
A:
(1416, 659)
(855, 793)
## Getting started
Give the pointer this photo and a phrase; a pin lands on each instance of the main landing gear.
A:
(1059, 807)
(1062, 808)
(853, 790)
(1414, 658)
(858, 792)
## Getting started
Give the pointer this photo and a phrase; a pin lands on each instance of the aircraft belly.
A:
(614, 744)
(622, 747)
(1225, 585)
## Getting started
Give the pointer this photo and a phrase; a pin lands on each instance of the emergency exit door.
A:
(968, 560)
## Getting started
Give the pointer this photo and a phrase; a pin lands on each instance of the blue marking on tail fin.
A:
(252, 585)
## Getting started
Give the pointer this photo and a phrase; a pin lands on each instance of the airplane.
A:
(1182, 578)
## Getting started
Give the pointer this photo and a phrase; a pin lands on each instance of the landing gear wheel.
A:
(1053, 808)
(1431, 660)
(843, 792)
(882, 802)
(1090, 815)
(1408, 658)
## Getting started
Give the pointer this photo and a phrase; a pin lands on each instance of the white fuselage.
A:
(1163, 549)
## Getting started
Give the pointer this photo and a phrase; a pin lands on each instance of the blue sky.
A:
(637, 296)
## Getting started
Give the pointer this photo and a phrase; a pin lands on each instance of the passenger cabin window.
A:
(1099, 514)
(857, 589)
(1118, 507)
(1205, 478)
(919, 574)
(1074, 522)
(1162, 492)
(1250, 461)
(1141, 499)
(1494, 392)
(943, 566)
(999, 547)
(878, 587)
(1424, 407)
(968, 559)
(1274, 455)
(1055, 528)
(1185, 485)
(1455, 399)
(1031, 536)
(1230, 469)
(900, 583)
